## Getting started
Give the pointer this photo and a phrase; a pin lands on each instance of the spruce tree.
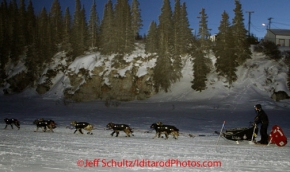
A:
(39, 50)
(200, 70)
(52, 47)
(200, 67)
(43, 42)
(56, 23)
(4, 32)
(84, 30)
(162, 74)
(75, 37)
(3, 25)
(79, 30)
(4, 39)
(123, 27)
(136, 18)
(226, 63)
(107, 34)
(16, 48)
(32, 62)
(31, 24)
(203, 32)
(151, 44)
(165, 29)
(66, 45)
(93, 27)
(177, 42)
(22, 24)
(176, 28)
(242, 47)
(163, 70)
(186, 34)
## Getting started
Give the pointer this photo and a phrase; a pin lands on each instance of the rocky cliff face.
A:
(86, 87)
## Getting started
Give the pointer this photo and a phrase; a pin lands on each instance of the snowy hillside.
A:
(258, 76)
(195, 113)
(257, 80)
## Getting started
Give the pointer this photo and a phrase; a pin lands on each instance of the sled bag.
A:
(240, 133)
(277, 136)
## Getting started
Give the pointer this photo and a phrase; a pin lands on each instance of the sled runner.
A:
(277, 136)
(240, 134)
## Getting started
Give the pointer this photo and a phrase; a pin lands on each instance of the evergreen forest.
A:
(34, 39)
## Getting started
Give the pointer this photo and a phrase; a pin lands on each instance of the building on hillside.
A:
(213, 37)
(279, 36)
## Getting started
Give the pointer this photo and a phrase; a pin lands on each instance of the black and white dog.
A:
(82, 125)
(12, 121)
(50, 124)
(165, 129)
(120, 127)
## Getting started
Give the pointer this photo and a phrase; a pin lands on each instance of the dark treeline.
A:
(35, 39)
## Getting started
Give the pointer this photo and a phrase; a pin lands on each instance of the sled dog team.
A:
(159, 127)
(276, 135)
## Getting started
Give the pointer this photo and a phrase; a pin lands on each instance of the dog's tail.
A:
(17, 123)
(130, 130)
(89, 127)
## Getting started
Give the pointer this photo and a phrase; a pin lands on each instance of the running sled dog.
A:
(82, 125)
(45, 124)
(12, 122)
(160, 128)
(120, 127)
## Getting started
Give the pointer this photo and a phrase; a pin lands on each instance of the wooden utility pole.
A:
(269, 25)
(249, 24)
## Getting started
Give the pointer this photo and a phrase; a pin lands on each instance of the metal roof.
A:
(280, 31)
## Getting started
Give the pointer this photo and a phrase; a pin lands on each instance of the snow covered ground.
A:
(194, 113)
(26, 150)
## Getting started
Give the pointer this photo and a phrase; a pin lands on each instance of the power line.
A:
(281, 23)
(258, 29)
